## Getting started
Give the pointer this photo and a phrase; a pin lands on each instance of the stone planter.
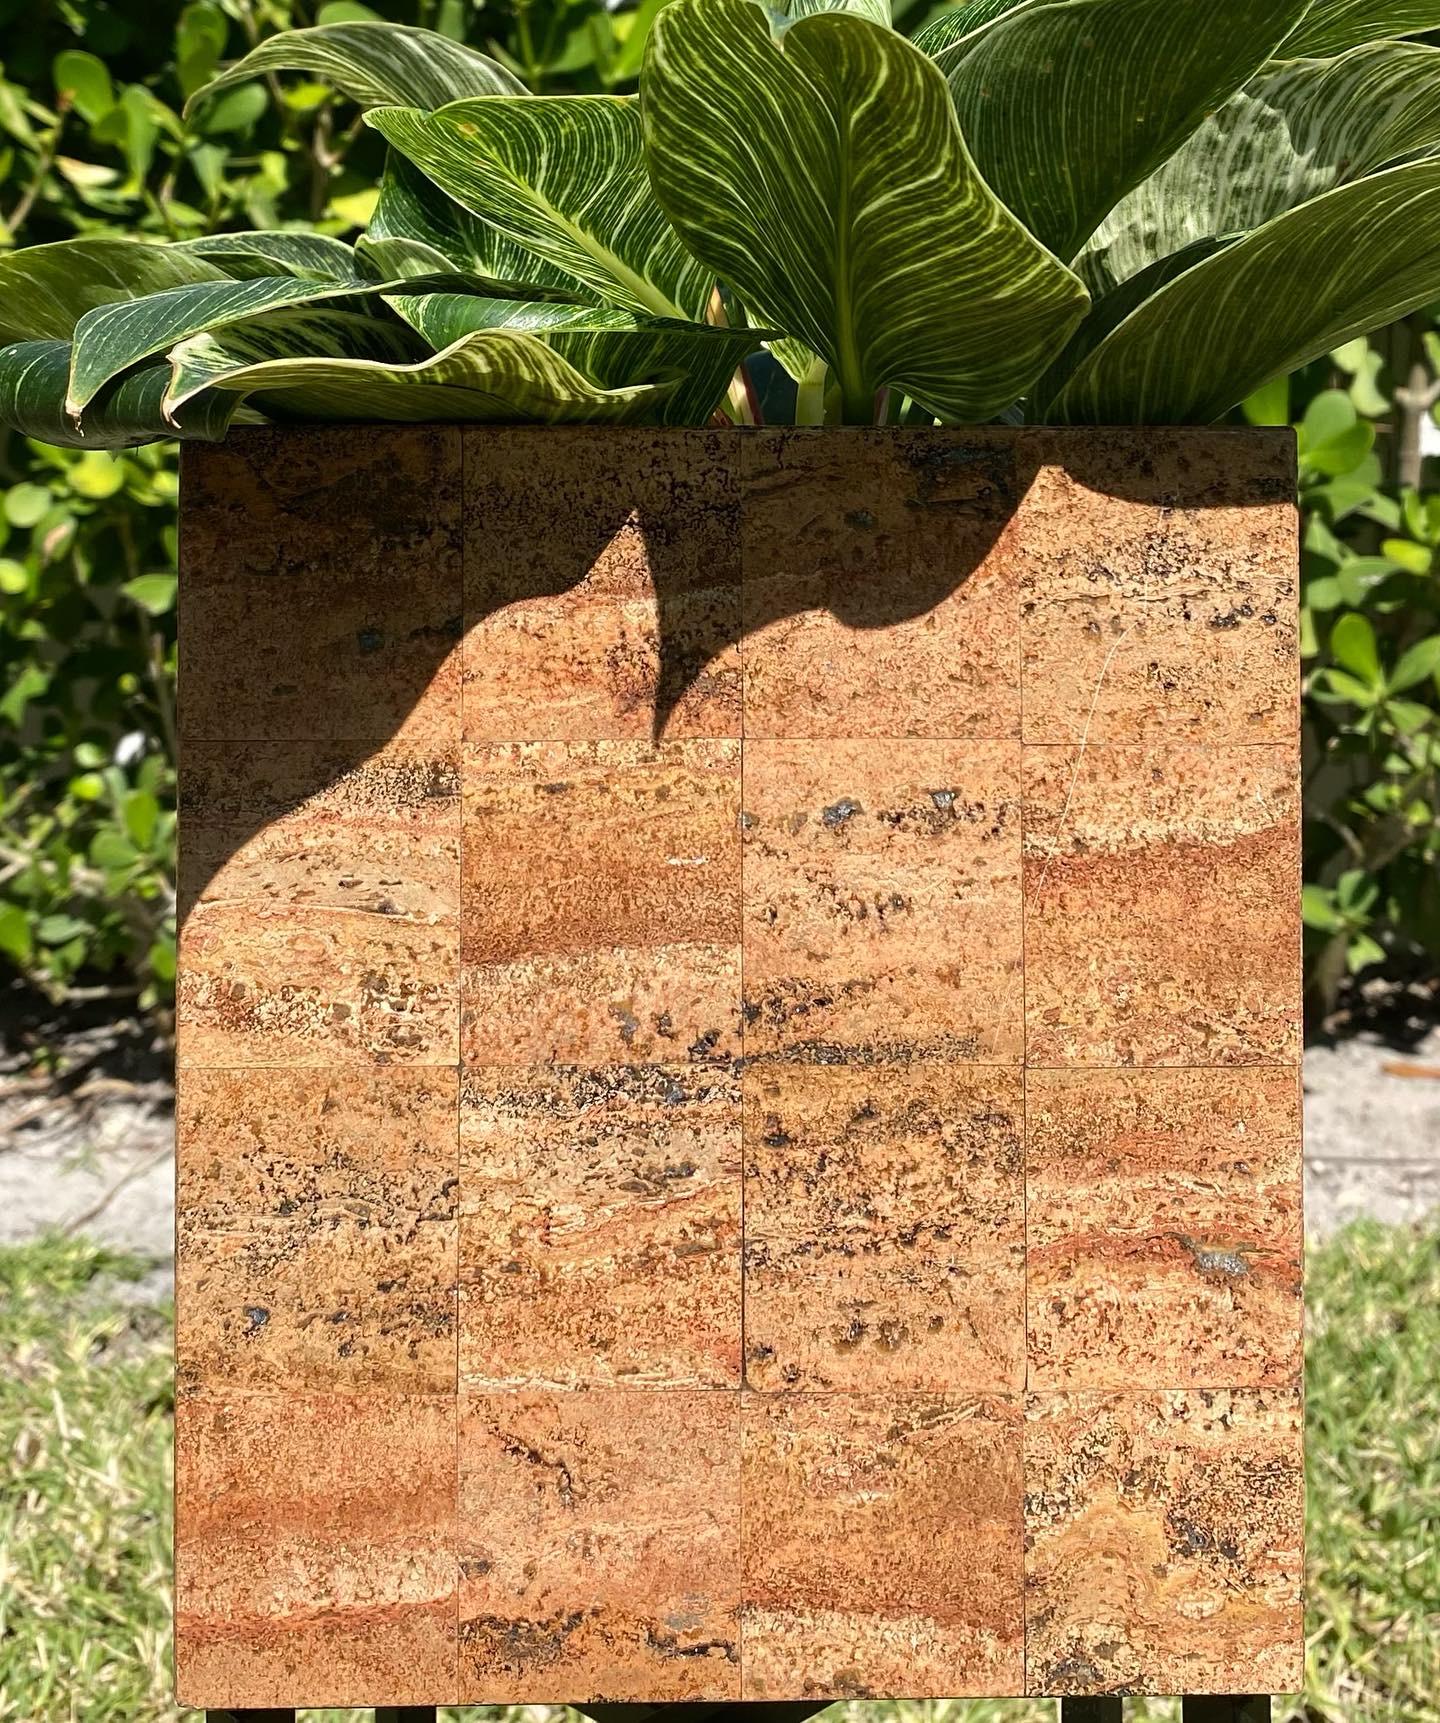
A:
(739, 1022)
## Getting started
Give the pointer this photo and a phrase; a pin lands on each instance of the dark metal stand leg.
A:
(249, 1717)
(1227, 1708)
(731, 1711)
(1105, 1710)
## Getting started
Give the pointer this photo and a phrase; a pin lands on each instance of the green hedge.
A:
(93, 138)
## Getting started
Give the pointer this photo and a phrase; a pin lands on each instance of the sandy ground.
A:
(100, 1159)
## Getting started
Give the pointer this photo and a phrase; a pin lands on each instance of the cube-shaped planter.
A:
(739, 1026)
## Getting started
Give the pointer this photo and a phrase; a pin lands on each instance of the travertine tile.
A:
(320, 585)
(882, 901)
(1164, 1542)
(460, 1352)
(884, 1228)
(882, 1546)
(320, 905)
(314, 1550)
(316, 1230)
(601, 893)
(875, 601)
(602, 584)
(599, 1545)
(1162, 898)
(1159, 584)
(600, 1231)
(1163, 1228)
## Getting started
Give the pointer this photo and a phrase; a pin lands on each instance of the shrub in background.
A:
(99, 143)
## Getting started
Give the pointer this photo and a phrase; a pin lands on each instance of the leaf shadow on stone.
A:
(329, 573)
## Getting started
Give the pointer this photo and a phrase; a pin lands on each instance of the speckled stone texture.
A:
(738, 1034)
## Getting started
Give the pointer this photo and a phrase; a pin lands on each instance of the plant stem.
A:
(857, 403)
(810, 395)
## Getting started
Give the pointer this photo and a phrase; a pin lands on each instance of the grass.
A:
(85, 1407)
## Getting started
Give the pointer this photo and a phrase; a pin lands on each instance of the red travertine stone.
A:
(320, 897)
(875, 601)
(884, 1228)
(600, 1227)
(602, 584)
(882, 1546)
(601, 904)
(1162, 906)
(314, 1550)
(599, 1545)
(320, 586)
(1159, 584)
(1163, 1228)
(882, 902)
(316, 1227)
(1164, 1542)
(653, 1106)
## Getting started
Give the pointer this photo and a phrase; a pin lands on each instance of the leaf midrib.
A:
(650, 296)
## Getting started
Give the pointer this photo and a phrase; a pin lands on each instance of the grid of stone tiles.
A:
(806, 1205)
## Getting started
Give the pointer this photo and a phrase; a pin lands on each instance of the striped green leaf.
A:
(1299, 130)
(373, 63)
(1067, 106)
(822, 176)
(493, 377)
(111, 338)
(312, 255)
(944, 33)
(46, 289)
(1110, 310)
(1332, 26)
(1350, 261)
(126, 412)
(877, 11)
(417, 230)
(312, 332)
(563, 177)
(613, 348)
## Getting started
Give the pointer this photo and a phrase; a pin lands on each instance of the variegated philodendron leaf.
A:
(312, 332)
(417, 230)
(877, 11)
(1066, 106)
(125, 412)
(1332, 26)
(373, 63)
(491, 377)
(1300, 129)
(46, 289)
(314, 256)
(1344, 263)
(946, 32)
(563, 177)
(613, 348)
(1110, 311)
(788, 163)
(111, 338)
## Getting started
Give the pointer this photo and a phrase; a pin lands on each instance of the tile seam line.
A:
(1025, 1068)
(643, 738)
(1223, 1068)
(739, 470)
(462, 527)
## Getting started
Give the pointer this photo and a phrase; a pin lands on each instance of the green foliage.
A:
(96, 140)
(1370, 641)
(85, 1415)
(1373, 1470)
(910, 214)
